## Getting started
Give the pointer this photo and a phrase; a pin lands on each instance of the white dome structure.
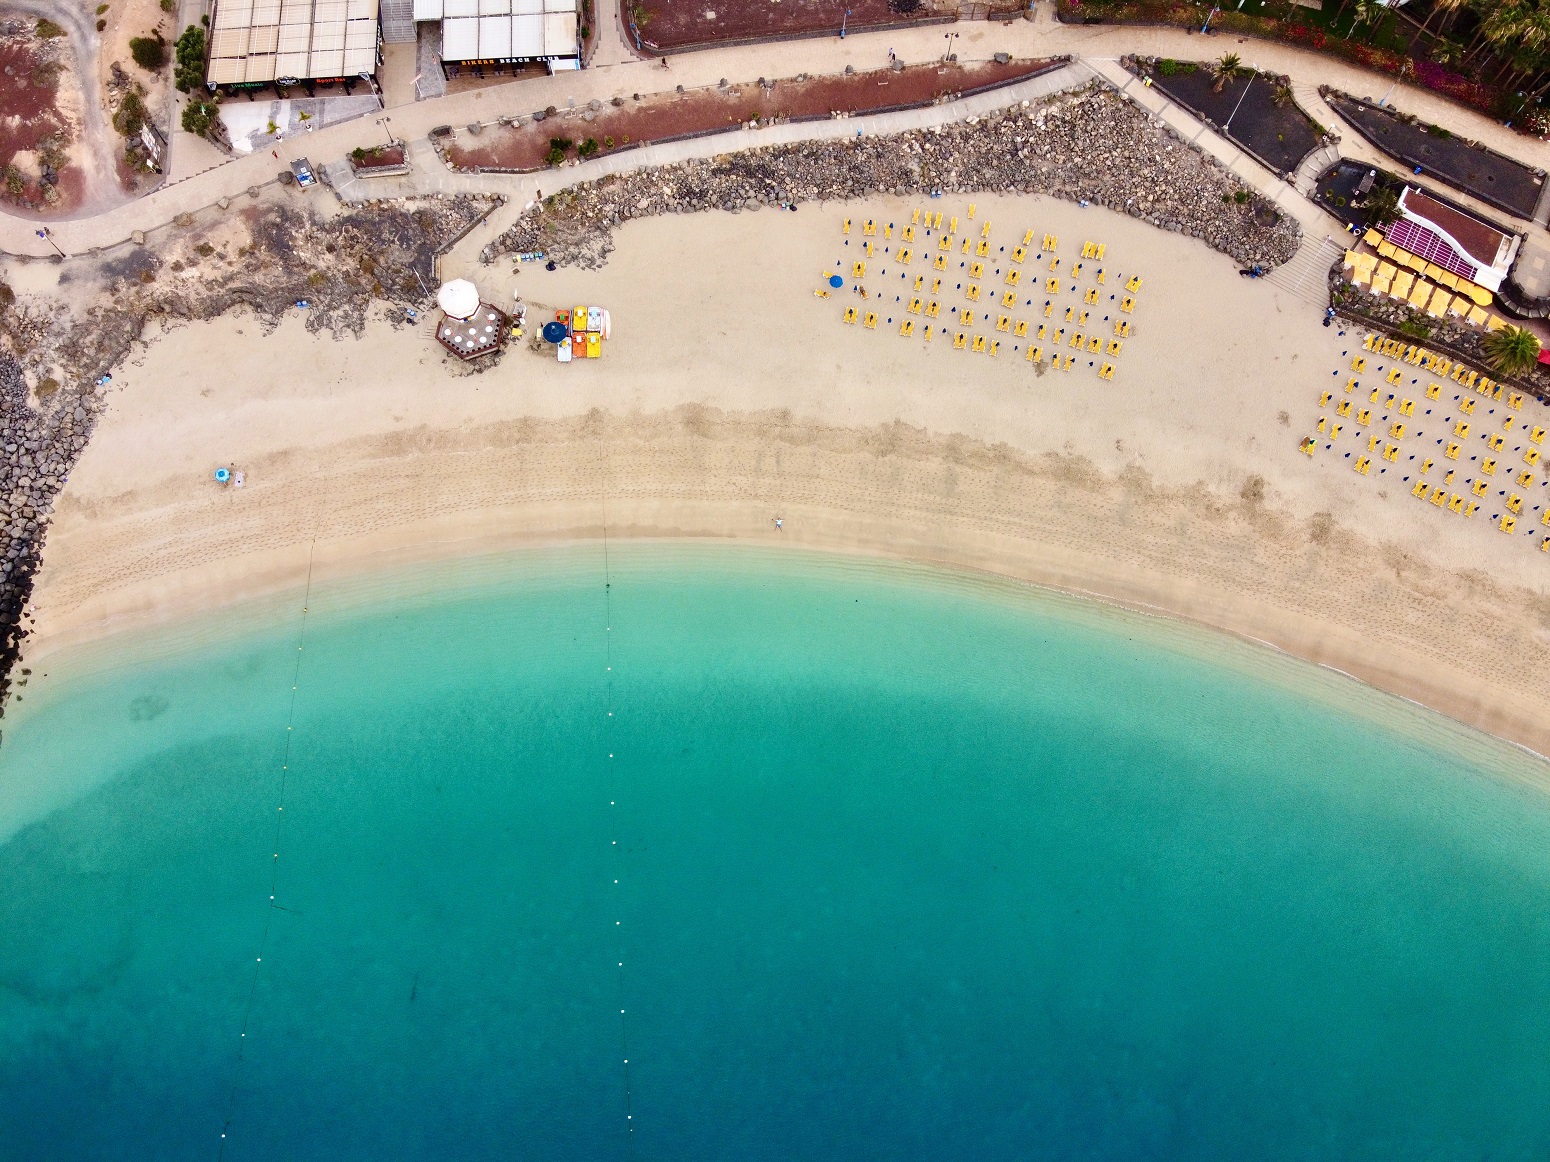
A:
(458, 298)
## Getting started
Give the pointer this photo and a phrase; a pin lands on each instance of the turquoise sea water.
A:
(718, 854)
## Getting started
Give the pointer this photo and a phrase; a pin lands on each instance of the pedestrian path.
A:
(618, 73)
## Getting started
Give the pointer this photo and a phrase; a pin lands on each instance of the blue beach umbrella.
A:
(222, 475)
(836, 281)
(554, 332)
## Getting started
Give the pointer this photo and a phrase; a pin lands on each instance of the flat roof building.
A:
(263, 42)
(489, 36)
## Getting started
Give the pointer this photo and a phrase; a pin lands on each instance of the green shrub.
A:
(555, 156)
(588, 147)
(608, 143)
(1439, 132)
(561, 143)
(149, 52)
(102, 9)
(199, 115)
(190, 72)
(169, 5)
(130, 116)
(48, 30)
(15, 182)
(357, 155)
(1168, 67)
(102, 25)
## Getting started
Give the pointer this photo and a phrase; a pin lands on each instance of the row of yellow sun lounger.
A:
(1384, 278)
(1431, 270)
(1438, 364)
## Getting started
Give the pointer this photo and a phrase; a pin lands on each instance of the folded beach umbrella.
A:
(458, 298)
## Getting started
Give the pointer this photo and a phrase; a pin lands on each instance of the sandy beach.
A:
(730, 394)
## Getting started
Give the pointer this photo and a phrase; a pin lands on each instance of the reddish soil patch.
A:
(670, 115)
(31, 122)
(676, 25)
(382, 157)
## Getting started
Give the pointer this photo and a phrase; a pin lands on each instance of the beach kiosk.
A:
(469, 327)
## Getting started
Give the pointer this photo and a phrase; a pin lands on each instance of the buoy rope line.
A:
(613, 791)
(274, 863)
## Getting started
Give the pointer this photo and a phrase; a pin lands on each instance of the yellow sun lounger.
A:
(1127, 304)
(1363, 465)
(1003, 323)
(1488, 466)
(972, 293)
(1013, 277)
(1091, 297)
(960, 341)
(1009, 299)
(1020, 328)
(1035, 354)
(851, 314)
(1421, 489)
(1114, 349)
(870, 322)
(1452, 450)
(1019, 253)
(1133, 284)
(933, 309)
(1052, 285)
(1106, 371)
(908, 328)
(1531, 457)
(1509, 524)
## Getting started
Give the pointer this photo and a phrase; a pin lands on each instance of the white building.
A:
(489, 37)
(260, 42)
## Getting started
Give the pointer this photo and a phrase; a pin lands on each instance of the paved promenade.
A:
(618, 72)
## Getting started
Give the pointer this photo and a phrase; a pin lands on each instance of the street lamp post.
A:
(949, 37)
(1403, 69)
(844, 20)
(48, 236)
(1239, 105)
(385, 122)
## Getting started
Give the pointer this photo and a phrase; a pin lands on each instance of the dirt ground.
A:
(125, 19)
(40, 120)
(677, 24)
(523, 147)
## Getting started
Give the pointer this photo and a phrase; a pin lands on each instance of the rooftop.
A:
(260, 41)
(480, 334)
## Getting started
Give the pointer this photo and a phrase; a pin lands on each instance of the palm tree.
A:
(1372, 14)
(1224, 69)
(1512, 350)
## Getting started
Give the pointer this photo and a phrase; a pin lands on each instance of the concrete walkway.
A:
(1098, 45)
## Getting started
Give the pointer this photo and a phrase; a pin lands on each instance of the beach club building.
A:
(496, 37)
(257, 43)
(1453, 240)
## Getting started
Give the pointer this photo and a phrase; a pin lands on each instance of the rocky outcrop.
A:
(1092, 146)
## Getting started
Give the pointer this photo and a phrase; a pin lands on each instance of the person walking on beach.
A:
(780, 525)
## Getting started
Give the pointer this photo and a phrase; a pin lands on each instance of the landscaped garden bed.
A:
(1385, 46)
(1254, 110)
(599, 128)
(1507, 184)
(381, 161)
(661, 26)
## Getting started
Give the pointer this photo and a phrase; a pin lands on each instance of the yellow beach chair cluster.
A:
(1446, 295)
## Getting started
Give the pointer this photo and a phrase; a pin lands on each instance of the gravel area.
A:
(1091, 145)
(265, 256)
